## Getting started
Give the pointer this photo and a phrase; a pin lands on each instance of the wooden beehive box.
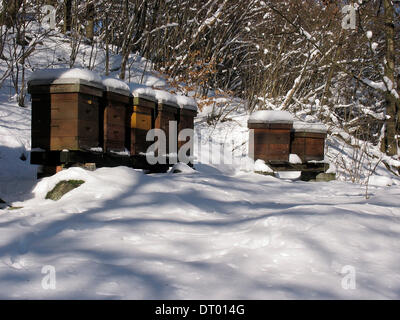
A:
(142, 120)
(166, 112)
(65, 113)
(187, 113)
(308, 141)
(114, 116)
(270, 139)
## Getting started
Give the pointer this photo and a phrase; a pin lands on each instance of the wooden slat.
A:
(115, 98)
(274, 126)
(64, 111)
(61, 143)
(298, 146)
(64, 97)
(141, 121)
(142, 109)
(167, 109)
(114, 115)
(65, 88)
(308, 147)
(188, 113)
(309, 135)
(272, 138)
(72, 143)
(114, 135)
(140, 102)
(138, 141)
(115, 146)
(40, 121)
(70, 128)
(271, 144)
(314, 149)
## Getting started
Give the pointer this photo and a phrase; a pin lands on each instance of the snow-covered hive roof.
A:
(156, 95)
(271, 116)
(116, 86)
(90, 78)
(186, 102)
(66, 76)
(166, 98)
(299, 126)
(142, 91)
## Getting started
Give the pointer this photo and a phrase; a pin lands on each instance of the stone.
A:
(264, 173)
(62, 188)
(3, 204)
(326, 177)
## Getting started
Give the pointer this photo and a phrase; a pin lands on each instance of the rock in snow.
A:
(3, 204)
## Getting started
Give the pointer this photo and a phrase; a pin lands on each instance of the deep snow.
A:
(125, 235)
(221, 232)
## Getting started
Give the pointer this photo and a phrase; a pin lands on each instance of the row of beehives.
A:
(275, 135)
(76, 109)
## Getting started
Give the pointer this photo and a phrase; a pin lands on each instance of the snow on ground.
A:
(16, 174)
(221, 233)
(126, 235)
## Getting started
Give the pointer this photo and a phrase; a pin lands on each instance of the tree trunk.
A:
(9, 14)
(90, 21)
(327, 92)
(67, 15)
(389, 144)
(107, 48)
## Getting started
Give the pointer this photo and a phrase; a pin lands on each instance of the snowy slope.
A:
(201, 236)
(16, 174)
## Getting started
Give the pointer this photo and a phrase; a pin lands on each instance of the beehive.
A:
(65, 110)
(187, 113)
(308, 141)
(142, 120)
(167, 111)
(114, 116)
(270, 136)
